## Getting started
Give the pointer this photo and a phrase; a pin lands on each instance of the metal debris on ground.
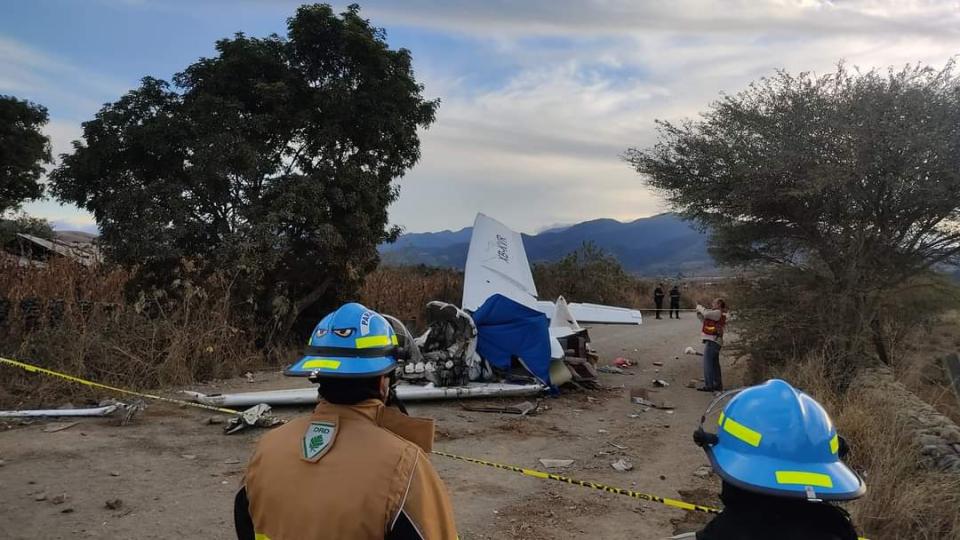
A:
(258, 415)
(658, 363)
(523, 409)
(622, 465)
(617, 446)
(555, 463)
(130, 410)
(53, 428)
(641, 401)
(661, 383)
(610, 369)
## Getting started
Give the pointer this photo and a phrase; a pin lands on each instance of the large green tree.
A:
(24, 149)
(278, 156)
(852, 177)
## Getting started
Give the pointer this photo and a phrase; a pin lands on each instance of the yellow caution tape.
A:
(595, 485)
(37, 369)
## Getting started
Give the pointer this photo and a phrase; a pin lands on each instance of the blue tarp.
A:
(508, 329)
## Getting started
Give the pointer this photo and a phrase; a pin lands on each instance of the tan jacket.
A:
(347, 472)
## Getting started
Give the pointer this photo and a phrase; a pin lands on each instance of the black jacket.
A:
(749, 516)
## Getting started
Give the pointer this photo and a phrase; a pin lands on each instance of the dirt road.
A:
(175, 474)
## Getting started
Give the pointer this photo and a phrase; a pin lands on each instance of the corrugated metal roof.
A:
(86, 254)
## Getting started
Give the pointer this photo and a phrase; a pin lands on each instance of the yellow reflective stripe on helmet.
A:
(742, 432)
(804, 478)
(324, 363)
(835, 444)
(394, 340)
(720, 420)
(372, 341)
(261, 536)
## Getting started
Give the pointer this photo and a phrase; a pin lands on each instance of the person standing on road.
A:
(781, 464)
(658, 298)
(711, 333)
(355, 468)
(675, 301)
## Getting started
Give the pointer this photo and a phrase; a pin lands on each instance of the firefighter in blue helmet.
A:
(355, 468)
(780, 460)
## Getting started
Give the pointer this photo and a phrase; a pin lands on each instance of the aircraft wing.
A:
(597, 314)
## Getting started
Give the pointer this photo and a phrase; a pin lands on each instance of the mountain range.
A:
(659, 245)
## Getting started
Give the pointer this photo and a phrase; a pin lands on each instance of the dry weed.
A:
(903, 500)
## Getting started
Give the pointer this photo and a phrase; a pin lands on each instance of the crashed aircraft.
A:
(473, 351)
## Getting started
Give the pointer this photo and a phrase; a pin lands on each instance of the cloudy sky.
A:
(539, 97)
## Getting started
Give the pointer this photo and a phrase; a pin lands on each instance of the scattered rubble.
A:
(660, 383)
(610, 369)
(258, 415)
(59, 499)
(188, 456)
(622, 465)
(522, 409)
(703, 471)
(39, 497)
(113, 504)
(658, 364)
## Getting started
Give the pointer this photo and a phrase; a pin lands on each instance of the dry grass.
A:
(904, 500)
(73, 319)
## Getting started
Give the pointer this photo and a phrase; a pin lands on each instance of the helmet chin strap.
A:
(392, 398)
(703, 438)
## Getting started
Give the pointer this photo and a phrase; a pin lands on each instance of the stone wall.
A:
(937, 436)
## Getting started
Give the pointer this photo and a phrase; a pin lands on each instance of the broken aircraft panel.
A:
(405, 392)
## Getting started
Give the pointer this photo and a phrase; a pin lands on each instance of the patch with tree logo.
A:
(318, 440)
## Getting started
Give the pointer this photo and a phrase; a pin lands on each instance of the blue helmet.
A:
(351, 342)
(774, 439)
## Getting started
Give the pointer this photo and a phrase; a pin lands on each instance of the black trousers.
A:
(659, 303)
(675, 308)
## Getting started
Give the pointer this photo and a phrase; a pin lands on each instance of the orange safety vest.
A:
(712, 327)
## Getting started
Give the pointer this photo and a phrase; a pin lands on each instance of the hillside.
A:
(658, 245)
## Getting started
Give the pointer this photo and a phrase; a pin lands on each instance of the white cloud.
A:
(544, 146)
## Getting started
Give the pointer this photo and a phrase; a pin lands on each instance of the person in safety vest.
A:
(711, 333)
(780, 460)
(355, 468)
